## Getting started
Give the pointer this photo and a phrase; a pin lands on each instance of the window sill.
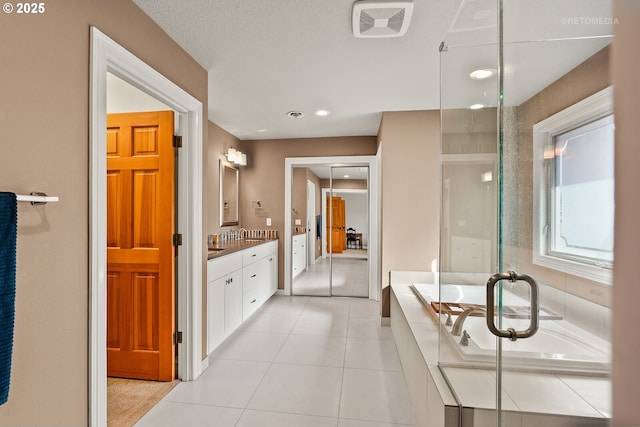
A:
(586, 271)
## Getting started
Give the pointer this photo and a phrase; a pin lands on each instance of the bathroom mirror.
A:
(229, 184)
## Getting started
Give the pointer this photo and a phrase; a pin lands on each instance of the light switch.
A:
(298, 222)
(268, 222)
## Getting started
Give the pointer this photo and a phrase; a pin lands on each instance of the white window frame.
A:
(592, 108)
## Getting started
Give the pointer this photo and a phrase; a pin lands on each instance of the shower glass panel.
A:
(526, 144)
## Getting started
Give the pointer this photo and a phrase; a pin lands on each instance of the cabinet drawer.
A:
(224, 265)
(250, 303)
(253, 276)
(255, 253)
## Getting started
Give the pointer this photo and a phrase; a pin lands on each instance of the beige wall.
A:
(626, 316)
(263, 178)
(44, 82)
(410, 193)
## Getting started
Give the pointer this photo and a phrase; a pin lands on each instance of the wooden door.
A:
(140, 253)
(336, 225)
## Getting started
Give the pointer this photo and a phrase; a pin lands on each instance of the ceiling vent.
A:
(378, 18)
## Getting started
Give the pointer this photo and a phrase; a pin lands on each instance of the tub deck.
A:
(528, 398)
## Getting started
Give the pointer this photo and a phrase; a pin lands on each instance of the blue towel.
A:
(8, 234)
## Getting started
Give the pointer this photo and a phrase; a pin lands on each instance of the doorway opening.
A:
(333, 251)
(108, 56)
(142, 358)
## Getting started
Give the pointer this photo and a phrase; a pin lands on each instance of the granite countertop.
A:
(225, 248)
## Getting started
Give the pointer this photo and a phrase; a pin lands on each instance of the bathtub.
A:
(558, 346)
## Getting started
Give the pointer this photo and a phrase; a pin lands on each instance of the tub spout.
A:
(457, 326)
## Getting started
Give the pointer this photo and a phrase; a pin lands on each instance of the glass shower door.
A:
(527, 208)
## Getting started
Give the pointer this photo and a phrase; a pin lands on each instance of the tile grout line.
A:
(266, 372)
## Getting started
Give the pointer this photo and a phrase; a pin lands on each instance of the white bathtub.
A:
(557, 346)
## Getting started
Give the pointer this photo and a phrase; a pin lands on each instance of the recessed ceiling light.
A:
(347, 176)
(295, 114)
(261, 130)
(322, 113)
(476, 106)
(482, 74)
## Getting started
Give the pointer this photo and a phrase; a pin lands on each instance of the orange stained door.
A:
(336, 215)
(140, 253)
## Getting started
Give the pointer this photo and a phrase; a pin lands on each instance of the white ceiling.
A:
(268, 57)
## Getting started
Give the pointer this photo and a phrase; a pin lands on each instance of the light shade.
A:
(236, 157)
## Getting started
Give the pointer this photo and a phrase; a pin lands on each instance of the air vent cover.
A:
(377, 18)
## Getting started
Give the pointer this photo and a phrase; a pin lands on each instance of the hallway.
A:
(299, 361)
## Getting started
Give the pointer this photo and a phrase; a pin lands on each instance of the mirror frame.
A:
(225, 166)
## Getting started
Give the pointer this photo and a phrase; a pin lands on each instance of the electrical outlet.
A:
(298, 222)
(268, 222)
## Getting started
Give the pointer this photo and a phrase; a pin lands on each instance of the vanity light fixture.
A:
(236, 157)
(322, 113)
(476, 106)
(483, 73)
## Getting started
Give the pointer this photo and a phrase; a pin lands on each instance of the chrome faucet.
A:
(457, 326)
(242, 233)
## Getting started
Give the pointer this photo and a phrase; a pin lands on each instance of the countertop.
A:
(225, 248)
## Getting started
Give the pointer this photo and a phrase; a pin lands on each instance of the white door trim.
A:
(311, 223)
(374, 212)
(108, 56)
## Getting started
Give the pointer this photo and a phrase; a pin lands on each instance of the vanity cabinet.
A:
(237, 285)
(299, 255)
(224, 297)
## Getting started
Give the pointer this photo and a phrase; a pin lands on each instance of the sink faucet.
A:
(457, 326)
(242, 233)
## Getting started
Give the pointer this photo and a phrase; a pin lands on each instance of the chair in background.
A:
(353, 240)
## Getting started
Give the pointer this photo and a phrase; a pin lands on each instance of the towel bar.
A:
(37, 198)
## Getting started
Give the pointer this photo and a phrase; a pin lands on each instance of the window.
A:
(574, 188)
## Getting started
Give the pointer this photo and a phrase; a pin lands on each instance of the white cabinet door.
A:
(299, 257)
(216, 313)
(224, 308)
(271, 285)
(233, 302)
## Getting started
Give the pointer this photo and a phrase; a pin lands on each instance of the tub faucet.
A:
(457, 326)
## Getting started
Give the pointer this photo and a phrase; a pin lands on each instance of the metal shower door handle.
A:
(511, 333)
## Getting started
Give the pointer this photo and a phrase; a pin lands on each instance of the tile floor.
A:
(297, 362)
(350, 278)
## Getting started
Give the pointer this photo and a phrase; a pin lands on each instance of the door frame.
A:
(311, 223)
(108, 56)
(374, 213)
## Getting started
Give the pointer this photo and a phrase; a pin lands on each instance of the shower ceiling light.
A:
(482, 74)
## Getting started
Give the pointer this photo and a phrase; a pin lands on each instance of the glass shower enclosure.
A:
(523, 291)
